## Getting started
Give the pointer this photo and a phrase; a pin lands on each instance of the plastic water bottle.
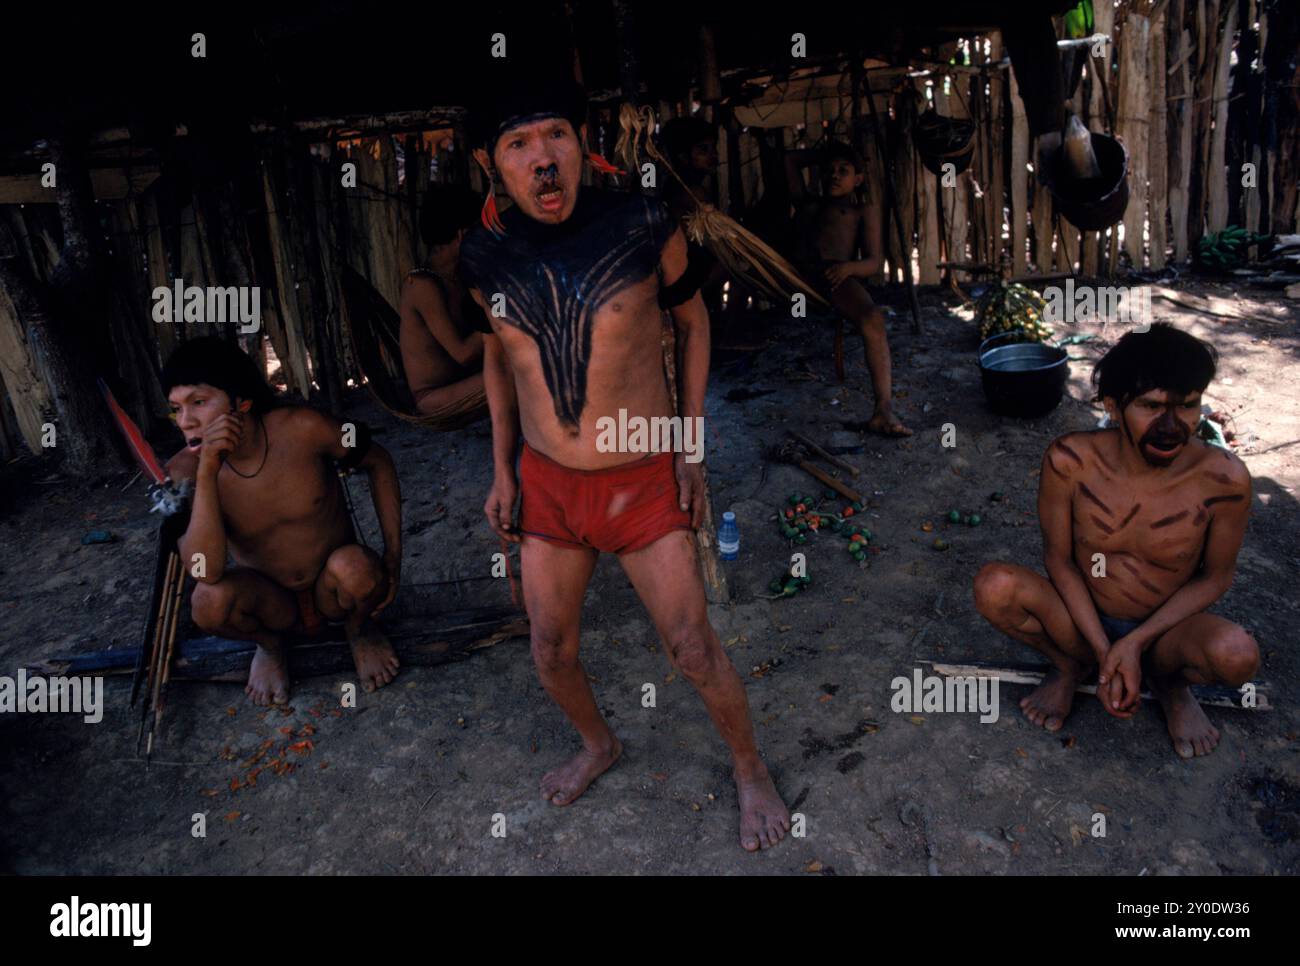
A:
(728, 537)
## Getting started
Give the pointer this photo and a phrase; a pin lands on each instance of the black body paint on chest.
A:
(555, 277)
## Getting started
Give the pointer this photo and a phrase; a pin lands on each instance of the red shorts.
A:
(616, 510)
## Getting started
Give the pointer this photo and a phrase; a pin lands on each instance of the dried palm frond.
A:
(744, 254)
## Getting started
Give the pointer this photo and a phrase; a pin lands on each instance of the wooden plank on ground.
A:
(1211, 695)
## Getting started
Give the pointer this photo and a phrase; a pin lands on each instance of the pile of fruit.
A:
(787, 585)
(1005, 306)
(1226, 250)
(802, 517)
(955, 517)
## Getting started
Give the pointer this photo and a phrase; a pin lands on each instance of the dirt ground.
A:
(411, 779)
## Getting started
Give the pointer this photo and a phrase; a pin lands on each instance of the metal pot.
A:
(1023, 379)
(1098, 203)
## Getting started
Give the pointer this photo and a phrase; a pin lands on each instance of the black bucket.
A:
(1093, 204)
(1022, 379)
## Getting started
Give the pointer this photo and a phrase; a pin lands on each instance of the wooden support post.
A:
(1216, 180)
(995, 197)
(927, 218)
(1157, 150)
(1019, 181)
(1178, 120)
(892, 202)
(956, 200)
(1133, 115)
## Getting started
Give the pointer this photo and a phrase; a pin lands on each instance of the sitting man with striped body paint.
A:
(1141, 524)
(575, 282)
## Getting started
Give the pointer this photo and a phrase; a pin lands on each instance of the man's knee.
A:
(355, 571)
(553, 648)
(995, 588)
(695, 651)
(212, 604)
(1233, 655)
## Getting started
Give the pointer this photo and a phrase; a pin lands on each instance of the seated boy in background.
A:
(442, 355)
(830, 234)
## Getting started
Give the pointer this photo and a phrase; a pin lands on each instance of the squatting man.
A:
(267, 494)
(1142, 522)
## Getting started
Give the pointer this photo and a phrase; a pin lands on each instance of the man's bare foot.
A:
(884, 422)
(373, 655)
(564, 785)
(268, 678)
(1189, 728)
(764, 819)
(1048, 705)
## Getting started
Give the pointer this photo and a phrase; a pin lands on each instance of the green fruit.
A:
(954, 516)
(801, 539)
(866, 533)
(775, 585)
(859, 556)
(805, 580)
(974, 520)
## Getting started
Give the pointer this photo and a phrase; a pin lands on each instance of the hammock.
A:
(374, 327)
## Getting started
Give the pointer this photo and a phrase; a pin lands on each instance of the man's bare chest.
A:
(292, 490)
(1165, 525)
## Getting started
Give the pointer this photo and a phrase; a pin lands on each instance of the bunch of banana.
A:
(1010, 305)
(1225, 250)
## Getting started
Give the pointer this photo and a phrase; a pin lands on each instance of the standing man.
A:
(574, 282)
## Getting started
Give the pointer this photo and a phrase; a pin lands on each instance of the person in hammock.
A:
(442, 354)
(266, 493)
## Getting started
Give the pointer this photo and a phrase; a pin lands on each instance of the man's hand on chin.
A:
(690, 488)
